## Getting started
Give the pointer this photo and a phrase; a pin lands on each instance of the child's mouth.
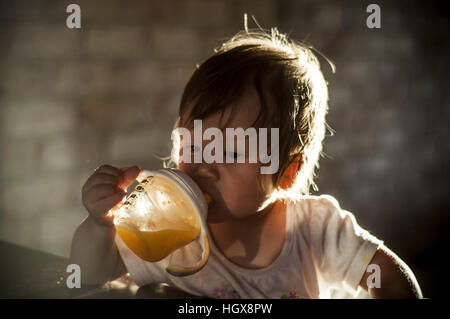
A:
(209, 200)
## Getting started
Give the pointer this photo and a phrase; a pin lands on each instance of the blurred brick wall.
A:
(71, 100)
(389, 106)
(109, 92)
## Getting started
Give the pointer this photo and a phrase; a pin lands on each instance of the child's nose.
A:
(208, 171)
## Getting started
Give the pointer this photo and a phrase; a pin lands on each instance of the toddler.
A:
(269, 238)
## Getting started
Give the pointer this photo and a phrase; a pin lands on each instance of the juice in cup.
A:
(155, 245)
(165, 212)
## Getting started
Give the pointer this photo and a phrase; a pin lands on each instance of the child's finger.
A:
(128, 176)
(100, 178)
(100, 191)
(105, 204)
(105, 168)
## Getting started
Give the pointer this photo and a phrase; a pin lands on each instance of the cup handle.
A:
(179, 271)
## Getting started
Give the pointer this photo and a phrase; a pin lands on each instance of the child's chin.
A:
(215, 219)
(216, 216)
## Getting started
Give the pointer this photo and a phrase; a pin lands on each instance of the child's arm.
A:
(94, 250)
(93, 245)
(397, 279)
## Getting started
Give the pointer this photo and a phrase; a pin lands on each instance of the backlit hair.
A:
(292, 90)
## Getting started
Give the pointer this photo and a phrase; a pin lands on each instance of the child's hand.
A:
(104, 189)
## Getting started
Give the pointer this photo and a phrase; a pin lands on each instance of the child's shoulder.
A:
(314, 201)
(315, 207)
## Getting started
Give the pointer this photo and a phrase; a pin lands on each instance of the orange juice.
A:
(155, 245)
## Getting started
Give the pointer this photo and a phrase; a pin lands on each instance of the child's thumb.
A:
(129, 176)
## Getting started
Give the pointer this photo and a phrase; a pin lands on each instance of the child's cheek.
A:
(248, 189)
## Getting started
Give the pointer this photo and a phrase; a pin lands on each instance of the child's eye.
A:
(192, 148)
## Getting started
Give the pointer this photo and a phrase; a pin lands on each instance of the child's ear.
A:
(288, 177)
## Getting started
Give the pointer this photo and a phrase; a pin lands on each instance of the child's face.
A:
(234, 187)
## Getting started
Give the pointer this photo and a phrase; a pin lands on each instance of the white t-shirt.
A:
(325, 251)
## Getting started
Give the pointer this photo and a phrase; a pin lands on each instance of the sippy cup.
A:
(164, 212)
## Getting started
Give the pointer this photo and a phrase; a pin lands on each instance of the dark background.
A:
(71, 100)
